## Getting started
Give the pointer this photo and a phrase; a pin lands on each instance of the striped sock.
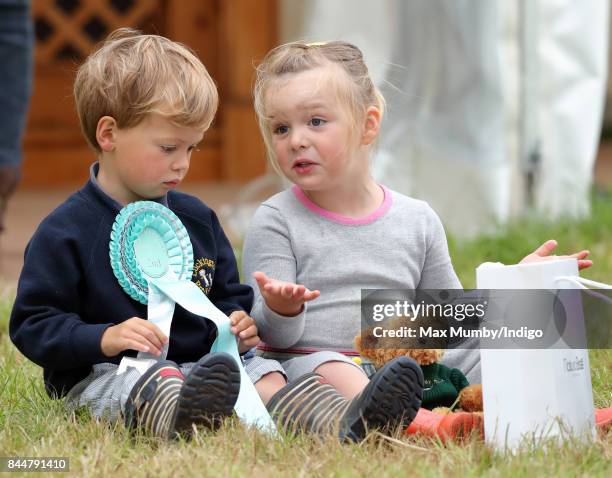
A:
(153, 400)
(390, 401)
(308, 405)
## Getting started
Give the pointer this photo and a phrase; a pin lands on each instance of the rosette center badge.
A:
(151, 253)
(148, 241)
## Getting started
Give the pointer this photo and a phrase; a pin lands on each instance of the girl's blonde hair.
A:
(356, 91)
(133, 75)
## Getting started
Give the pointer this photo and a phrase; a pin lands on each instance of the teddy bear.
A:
(443, 387)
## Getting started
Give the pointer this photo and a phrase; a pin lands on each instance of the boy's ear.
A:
(105, 133)
(372, 125)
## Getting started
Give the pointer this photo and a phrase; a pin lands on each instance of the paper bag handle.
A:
(582, 283)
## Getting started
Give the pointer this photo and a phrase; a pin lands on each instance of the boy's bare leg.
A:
(269, 384)
(347, 379)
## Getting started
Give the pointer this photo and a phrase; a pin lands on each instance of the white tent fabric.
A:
(494, 107)
(572, 53)
(443, 138)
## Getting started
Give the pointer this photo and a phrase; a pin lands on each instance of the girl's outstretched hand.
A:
(284, 298)
(543, 252)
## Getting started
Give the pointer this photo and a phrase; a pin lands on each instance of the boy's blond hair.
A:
(133, 75)
(354, 88)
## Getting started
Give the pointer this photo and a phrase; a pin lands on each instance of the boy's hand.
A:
(543, 252)
(244, 328)
(133, 334)
(284, 298)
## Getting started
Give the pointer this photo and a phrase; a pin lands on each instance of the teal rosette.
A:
(148, 241)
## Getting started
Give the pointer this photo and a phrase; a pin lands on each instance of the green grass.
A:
(520, 238)
(33, 425)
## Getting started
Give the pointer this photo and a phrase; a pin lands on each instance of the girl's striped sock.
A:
(389, 402)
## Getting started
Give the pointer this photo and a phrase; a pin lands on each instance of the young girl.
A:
(336, 230)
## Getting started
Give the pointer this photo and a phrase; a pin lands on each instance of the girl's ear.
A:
(106, 133)
(372, 125)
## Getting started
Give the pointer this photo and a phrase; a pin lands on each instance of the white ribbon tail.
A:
(249, 406)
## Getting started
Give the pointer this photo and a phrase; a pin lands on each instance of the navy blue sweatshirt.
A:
(68, 296)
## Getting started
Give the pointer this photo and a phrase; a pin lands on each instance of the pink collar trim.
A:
(339, 218)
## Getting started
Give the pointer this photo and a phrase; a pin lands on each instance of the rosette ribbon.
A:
(152, 258)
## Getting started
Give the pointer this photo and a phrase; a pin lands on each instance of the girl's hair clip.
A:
(317, 43)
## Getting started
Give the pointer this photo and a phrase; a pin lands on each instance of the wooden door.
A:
(228, 36)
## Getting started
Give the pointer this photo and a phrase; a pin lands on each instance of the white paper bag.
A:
(532, 394)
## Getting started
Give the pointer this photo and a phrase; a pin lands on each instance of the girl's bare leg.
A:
(344, 377)
(269, 384)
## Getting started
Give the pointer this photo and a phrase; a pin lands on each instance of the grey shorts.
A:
(295, 367)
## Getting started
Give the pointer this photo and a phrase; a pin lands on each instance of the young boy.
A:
(144, 103)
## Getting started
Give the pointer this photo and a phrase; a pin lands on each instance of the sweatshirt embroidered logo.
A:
(203, 273)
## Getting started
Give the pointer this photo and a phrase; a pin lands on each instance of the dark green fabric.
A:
(441, 385)
(458, 379)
